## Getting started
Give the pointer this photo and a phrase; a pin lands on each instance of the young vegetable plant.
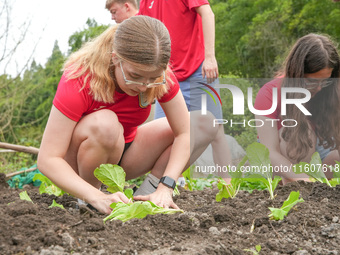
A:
(47, 186)
(231, 190)
(114, 177)
(260, 169)
(256, 251)
(24, 196)
(336, 174)
(55, 204)
(195, 183)
(314, 169)
(280, 213)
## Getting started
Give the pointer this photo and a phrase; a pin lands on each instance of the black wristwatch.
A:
(167, 181)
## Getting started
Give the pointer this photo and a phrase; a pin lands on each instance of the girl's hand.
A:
(161, 197)
(102, 203)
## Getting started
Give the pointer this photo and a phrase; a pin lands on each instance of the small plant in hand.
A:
(114, 177)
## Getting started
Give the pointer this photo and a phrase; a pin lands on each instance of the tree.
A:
(79, 38)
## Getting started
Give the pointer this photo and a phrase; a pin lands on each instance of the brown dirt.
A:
(206, 227)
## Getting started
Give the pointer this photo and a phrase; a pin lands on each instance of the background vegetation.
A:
(252, 39)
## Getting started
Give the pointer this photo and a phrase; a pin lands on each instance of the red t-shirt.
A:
(185, 29)
(75, 103)
(264, 99)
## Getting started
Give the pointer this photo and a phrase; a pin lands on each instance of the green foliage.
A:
(114, 177)
(111, 175)
(256, 251)
(138, 210)
(253, 37)
(196, 183)
(55, 204)
(314, 169)
(79, 38)
(260, 170)
(47, 186)
(24, 196)
(231, 190)
(280, 213)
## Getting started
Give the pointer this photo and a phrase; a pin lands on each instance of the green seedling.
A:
(231, 190)
(315, 169)
(114, 177)
(256, 251)
(47, 186)
(24, 196)
(196, 183)
(280, 213)
(336, 174)
(139, 210)
(176, 192)
(55, 204)
(260, 169)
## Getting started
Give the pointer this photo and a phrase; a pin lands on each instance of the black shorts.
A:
(126, 146)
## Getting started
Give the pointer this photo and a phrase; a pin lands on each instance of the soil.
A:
(206, 226)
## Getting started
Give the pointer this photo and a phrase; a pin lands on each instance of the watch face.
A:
(171, 183)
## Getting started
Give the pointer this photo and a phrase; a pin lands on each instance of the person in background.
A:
(102, 99)
(312, 64)
(191, 24)
(121, 9)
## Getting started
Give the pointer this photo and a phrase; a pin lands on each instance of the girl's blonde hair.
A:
(140, 40)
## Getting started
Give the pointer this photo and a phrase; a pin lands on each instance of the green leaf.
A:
(176, 192)
(336, 170)
(258, 155)
(139, 210)
(228, 190)
(111, 175)
(128, 193)
(24, 196)
(258, 248)
(187, 174)
(47, 186)
(238, 173)
(280, 213)
(261, 169)
(313, 169)
(55, 204)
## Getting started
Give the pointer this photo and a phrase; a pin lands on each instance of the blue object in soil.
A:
(18, 181)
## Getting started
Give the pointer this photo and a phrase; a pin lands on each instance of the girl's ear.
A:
(114, 58)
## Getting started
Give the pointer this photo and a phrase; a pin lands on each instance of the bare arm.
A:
(210, 68)
(269, 136)
(178, 118)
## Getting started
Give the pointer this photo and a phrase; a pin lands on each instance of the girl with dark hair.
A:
(312, 64)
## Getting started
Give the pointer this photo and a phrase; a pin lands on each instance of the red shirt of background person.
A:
(186, 31)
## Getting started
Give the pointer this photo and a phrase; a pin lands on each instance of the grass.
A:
(13, 161)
